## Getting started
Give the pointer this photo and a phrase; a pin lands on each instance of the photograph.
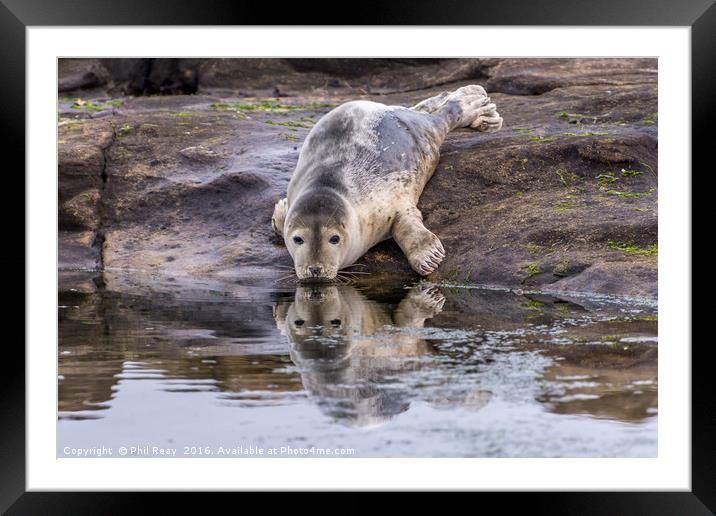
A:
(346, 257)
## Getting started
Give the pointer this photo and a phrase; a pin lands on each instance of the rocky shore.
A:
(173, 166)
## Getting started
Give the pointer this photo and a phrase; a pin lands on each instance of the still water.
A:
(172, 367)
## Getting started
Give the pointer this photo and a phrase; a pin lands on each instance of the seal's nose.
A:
(315, 270)
(316, 295)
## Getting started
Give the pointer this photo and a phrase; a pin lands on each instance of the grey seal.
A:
(358, 357)
(360, 173)
(346, 377)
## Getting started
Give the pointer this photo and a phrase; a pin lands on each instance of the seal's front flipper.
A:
(422, 302)
(422, 248)
(279, 216)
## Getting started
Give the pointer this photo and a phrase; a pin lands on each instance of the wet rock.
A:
(78, 250)
(564, 197)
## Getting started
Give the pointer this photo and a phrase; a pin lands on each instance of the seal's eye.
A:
(336, 322)
(298, 240)
(334, 239)
(298, 322)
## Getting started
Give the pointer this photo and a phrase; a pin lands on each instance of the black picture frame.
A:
(17, 15)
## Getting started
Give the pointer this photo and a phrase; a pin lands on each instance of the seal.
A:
(358, 373)
(347, 376)
(359, 176)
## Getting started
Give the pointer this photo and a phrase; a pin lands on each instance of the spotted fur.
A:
(359, 176)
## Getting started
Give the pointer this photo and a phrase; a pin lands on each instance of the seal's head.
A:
(319, 232)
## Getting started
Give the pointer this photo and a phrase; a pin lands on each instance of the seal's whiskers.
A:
(287, 276)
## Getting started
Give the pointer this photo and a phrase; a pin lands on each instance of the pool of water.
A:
(188, 368)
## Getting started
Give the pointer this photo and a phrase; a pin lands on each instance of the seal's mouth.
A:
(315, 274)
(314, 279)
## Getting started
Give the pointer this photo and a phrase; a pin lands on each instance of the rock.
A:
(74, 74)
(563, 198)
(78, 250)
(537, 76)
(200, 154)
(298, 76)
(82, 210)
(271, 76)
(150, 76)
(81, 184)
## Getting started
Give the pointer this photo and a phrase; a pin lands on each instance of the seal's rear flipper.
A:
(279, 216)
(468, 106)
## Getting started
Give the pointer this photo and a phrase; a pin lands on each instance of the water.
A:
(173, 367)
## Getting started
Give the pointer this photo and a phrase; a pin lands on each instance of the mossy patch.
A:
(561, 173)
(533, 248)
(120, 153)
(302, 123)
(565, 205)
(604, 180)
(567, 178)
(650, 119)
(533, 269)
(545, 139)
(578, 118)
(584, 134)
(561, 268)
(646, 318)
(631, 195)
(148, 129)
(633, 248)
(88, 105)
(72, 123)
(534, 304)
(268, 106)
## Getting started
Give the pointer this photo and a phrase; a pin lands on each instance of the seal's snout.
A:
(315, 274)
(316, 295)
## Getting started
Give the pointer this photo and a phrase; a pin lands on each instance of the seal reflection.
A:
(347, 350)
